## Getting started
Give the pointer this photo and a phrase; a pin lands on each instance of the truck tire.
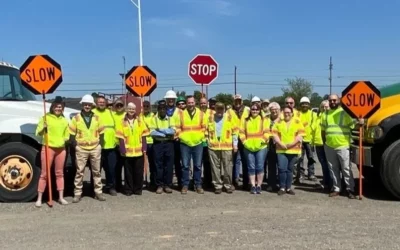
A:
(390, 169)
(19, 172)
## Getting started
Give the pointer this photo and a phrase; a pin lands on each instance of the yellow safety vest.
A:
(57, 130)
(225, 141)
(236, 118)
(118, 118)
(288, 135)
(191, 130)
(316, 131)
(132, 135)
(157, 123)
(107, 120)
(86, 138)
(254, 133)
(307, 118)
(337, 125)
(147, 120)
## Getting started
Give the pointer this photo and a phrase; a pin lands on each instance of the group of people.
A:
(270, 141)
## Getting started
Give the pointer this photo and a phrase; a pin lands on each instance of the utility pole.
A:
(235, 78)
(123, 75)
(330, 75)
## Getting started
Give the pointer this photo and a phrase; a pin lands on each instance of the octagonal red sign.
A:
(203, 69)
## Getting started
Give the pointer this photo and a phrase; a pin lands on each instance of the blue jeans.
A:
(187, 154)
(236, 165)
(286, 164)
(108, 163)
(164, 161)
(255, 161)
(327, 179)
(306, 150)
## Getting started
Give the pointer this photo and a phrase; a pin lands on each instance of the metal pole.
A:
(235, 79)
(138, 6)
(330, 75)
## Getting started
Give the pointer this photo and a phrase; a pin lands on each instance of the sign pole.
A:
(361, 158)
(145, 156)
(46, 152)
(202, 90)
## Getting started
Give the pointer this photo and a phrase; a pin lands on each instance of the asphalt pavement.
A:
(308, 220)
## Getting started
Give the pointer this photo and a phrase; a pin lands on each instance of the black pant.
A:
(243, 158)
(134, 175)
(108, 161)
(152, 166)
(164, 161)
(306, 150)
(177, 162)
(118, 170)
(272, 159)
(207, 177)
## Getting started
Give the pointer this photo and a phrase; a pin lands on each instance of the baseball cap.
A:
(237, 97)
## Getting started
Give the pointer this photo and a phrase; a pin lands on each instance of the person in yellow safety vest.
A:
(209, 109)
(238, 112)
(56, 127)
(191, 127)
(319, 146)
(336, 126)
(147, 117)
(87, 136)
(162, 129)
(265, 108)
(119, 115)
(108, 148)
(307, 117)
(289, 101)
(132, 133)
(288, 135)
(254, 133)
(272, 158)
(222, 139)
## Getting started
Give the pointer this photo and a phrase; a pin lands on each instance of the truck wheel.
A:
(390, 169)
(19, 172)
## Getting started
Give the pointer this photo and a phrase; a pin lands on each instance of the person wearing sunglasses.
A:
(289, 101)
(288, 134)
(254, 132)
(336, 126)
(118, 114)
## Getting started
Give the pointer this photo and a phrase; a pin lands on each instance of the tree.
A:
(226, 99)
(181, 93)
(316, 100)
(197, 96)
(297, 88)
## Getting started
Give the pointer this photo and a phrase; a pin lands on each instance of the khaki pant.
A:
(339, 161)
(82, 155)
(221, 165)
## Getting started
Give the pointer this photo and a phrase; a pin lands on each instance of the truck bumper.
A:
(367, 155)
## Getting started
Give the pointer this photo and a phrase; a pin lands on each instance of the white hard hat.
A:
(304, 99)
(170, 94)
(256, 99)
(87, 99)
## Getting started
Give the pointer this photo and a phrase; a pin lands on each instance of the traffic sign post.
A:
(42, 75)
(203, 70)
(361, 99)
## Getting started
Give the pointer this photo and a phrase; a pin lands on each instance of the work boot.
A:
(113, 192)
(76, 199)
(218, 191)
(334, 194)
(184, 190)
(100, 197)
(351, 195)
(168, 190)
(159, 190)
(199, 190)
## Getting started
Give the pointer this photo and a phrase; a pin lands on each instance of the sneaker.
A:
(168, 190)
(113, 192)
(258, 189)
(100, 197)
(281, 192)
(290, 191)
(200, 190)
(38, 204)
(76, 199)
(184, 190)
(218, 191)
(230, 190)
(351, 195)
(334, 194)
(63, 201)
(159, 190)
(253, 190)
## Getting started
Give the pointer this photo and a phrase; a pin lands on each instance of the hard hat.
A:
(304, 99)
(265, 101)
(170, 94)
(256, 99)
(181, 99)
(237, 97)
(87, 99)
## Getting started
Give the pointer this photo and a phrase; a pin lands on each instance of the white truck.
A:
(19, 147)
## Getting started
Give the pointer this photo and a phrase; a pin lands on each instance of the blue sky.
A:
(267, 40)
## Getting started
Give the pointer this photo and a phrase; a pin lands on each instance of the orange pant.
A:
(58, 156)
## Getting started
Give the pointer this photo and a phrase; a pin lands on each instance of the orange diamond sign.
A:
(141, 81)
(361, 99)
(41, 74)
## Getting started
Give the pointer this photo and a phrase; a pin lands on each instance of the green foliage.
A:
(226, 99)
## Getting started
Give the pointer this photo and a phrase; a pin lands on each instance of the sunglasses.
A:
(333, 100)
(119, 105)
(255, 110)
(181, 103)
(289, 102)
